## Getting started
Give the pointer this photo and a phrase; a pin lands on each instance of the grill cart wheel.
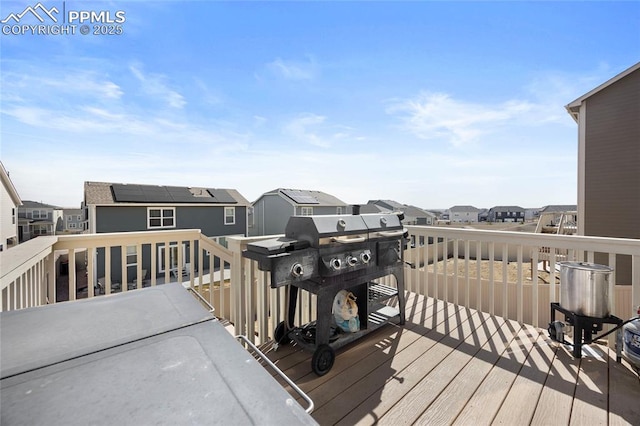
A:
(281, 335)
(322, 360)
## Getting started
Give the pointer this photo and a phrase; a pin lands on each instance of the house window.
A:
(338, 210)
(132, 256)
(306, 211)
(229, 215)
(72, 225)
(13, 216)
(79, 217)
(161, 218)
(37, 214)
(69, 218)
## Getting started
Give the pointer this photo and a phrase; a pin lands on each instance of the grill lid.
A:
(320, 229)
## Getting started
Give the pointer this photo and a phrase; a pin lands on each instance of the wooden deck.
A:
(452, 365)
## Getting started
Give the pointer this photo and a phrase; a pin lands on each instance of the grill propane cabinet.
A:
(326, 254)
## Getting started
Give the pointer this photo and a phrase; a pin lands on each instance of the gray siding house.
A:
(271, 211)
(71, 221)
(35, 219)
(115, 207)
(506, 214)
(608, 162)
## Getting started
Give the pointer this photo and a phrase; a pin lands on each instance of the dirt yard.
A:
(485, 267)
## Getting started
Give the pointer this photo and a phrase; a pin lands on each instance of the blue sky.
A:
(428, 103)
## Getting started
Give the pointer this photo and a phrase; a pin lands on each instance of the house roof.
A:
(507, 209)
(573, 108)
(8, 184)
(305, 197)
(407, 209)
(464, 209)
(27, 204)
(559, 208)
(101, 193)
(373, 208)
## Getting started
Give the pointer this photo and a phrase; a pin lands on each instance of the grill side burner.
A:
(329, 253)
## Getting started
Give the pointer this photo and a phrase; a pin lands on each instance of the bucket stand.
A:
(585, 327)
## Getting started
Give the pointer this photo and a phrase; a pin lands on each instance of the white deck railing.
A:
(525, 298)
(242, 294)
(31, 273)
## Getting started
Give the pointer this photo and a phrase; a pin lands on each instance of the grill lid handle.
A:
(391, 233)
(348, 240)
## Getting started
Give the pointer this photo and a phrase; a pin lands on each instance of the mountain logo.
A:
(39, 11)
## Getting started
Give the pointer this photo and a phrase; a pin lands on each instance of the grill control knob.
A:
(297, 270)
(365, 257)
(352, 261)
(335, 263)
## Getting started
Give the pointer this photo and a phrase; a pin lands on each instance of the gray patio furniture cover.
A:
(151, 356)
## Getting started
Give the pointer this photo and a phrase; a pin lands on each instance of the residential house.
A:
(463, 214)
(271, 211)
(506, 214)
(608, 162)
(71, 222)
(116, 207)
(412, 215)
(36, 219)
(9, 200)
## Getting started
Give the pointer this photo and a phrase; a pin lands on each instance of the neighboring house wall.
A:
(209, 219)
(271, 212)
(608, 162)
(506, 214)
(463, 214)
(9, 202)
(72, 220)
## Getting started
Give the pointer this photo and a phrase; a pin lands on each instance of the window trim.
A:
(232, 216)
(307, 209)
(161, 217)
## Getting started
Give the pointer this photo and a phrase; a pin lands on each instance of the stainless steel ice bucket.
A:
(584, 288)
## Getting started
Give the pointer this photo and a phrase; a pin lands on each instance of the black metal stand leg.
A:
(577, 340)
(324, 316)
(291, 308)
(401, 296)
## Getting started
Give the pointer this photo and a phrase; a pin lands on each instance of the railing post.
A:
(235, 287)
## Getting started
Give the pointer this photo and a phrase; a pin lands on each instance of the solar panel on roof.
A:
(128, 193)
(300, 197)
(221, 196)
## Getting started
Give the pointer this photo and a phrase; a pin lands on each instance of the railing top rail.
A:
(14, 261)
(628, 246)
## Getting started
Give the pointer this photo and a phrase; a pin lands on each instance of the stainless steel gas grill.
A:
(326, 254)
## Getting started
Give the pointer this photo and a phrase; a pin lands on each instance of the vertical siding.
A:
(612, 164)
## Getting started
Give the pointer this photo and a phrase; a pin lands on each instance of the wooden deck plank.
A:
(487, 399)
(349, 357)
(456, 395)
(412, 366)
(449, 364)
(476, 334)
(556, 399)
(354, 364)
(624, 393)
(521, 401)
(590, 399)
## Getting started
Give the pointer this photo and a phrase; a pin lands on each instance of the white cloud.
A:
(155, 85)
(304, 128)
(294, 70)
(439, 117)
